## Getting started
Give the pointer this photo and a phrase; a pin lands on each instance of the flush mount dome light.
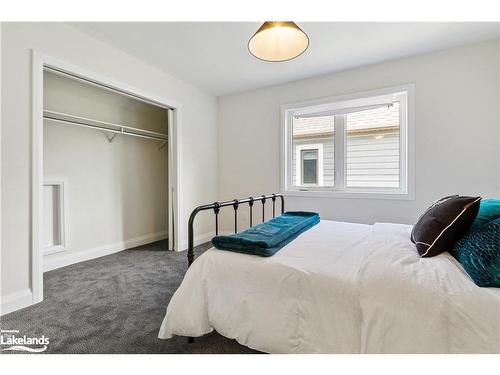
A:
(278, 41)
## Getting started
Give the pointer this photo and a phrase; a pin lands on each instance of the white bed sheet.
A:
(338, 288)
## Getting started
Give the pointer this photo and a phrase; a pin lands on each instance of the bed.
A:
(338, 288)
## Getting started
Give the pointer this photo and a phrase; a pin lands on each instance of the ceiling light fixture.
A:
(278, 41)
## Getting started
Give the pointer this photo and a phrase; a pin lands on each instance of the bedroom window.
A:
(350, 146)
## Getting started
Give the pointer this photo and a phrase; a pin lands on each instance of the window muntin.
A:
(368, 151)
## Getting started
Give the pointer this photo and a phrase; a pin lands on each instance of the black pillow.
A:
(443, 223)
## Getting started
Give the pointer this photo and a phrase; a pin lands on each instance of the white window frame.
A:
(298, 161)
(337, 105)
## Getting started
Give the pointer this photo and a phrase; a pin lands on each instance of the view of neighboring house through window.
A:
(312, 160)
(373, 147)
(353, 145)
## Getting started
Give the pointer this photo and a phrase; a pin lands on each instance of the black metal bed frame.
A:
(235, 203)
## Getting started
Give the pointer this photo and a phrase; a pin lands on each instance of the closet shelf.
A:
(102, 125)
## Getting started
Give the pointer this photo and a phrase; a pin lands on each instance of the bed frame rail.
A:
(235, 203)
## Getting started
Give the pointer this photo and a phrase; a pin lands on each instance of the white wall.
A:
(116, 193)
(198, 132)
(457, 132)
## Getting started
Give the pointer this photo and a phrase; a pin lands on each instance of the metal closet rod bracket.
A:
(112, 138)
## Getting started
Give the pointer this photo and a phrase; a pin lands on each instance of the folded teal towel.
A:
(267, 238)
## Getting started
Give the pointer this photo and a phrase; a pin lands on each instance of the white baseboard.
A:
(198, 240)
(204, 237)
(15, 301)
(66, 258)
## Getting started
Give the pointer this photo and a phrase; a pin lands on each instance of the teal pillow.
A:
(489, 210)
(479, 253)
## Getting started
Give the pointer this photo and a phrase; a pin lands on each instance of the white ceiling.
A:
(214, 55)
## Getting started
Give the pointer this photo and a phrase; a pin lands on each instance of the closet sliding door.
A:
(170, 185)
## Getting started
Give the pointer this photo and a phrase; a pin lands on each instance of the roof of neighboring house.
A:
(358, 122)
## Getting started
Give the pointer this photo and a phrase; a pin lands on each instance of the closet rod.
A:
(124, 132)
(88, 121)
(102, 86)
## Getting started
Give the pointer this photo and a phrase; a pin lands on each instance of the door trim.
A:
(39, 61)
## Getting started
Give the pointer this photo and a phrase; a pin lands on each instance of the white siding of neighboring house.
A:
(373, 161)
(362, 153)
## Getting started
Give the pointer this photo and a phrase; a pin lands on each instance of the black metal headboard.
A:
(235, 203)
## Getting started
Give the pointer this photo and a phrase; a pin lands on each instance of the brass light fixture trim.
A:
(278, 41)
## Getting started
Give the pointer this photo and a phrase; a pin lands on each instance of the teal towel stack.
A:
(269, 237)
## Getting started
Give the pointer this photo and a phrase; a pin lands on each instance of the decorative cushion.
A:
(443, 223)
(489, 210)
(479, 253)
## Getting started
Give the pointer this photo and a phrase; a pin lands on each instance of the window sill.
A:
(350, 195)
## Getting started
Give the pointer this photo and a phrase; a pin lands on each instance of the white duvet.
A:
(338, 288)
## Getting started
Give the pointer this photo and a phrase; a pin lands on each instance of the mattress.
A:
(338, 288)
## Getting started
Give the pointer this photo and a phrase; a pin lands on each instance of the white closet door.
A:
(170, 184)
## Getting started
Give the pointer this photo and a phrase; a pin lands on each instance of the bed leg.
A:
(190, 340)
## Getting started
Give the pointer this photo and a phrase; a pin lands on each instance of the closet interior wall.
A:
(114, 192)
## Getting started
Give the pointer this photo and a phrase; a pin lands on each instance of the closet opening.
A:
(105, 166)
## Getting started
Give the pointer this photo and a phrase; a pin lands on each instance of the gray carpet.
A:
(114, 304)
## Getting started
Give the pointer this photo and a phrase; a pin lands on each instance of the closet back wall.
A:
(116, 193)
